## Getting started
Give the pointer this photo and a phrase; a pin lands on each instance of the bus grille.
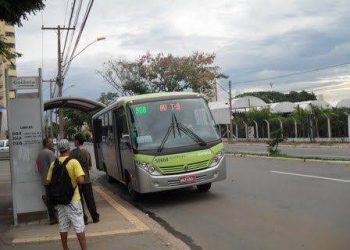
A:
(178, 169)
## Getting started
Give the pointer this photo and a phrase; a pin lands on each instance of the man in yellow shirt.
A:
(70, 215)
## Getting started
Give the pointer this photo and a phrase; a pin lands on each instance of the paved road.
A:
(301, 206)
(317, 151)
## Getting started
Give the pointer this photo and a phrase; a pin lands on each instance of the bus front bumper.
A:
(155, 183)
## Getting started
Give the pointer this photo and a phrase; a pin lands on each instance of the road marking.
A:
(122, 210)
(139, 226)
(311, 176)
(73, 236)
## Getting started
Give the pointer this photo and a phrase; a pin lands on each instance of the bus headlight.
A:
(148, 167)
(216, 159)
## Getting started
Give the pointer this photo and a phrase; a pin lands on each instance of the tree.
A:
(160, 72)
(108, 98)
(274, 96)
(12, 11)
(302, 96)
(74, 120)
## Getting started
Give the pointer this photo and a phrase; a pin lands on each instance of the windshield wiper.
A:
(175, 125)
(189, 132)
(166, 136)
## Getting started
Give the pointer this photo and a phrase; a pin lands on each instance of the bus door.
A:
(113, 170)
(123, 146)
(97, 133)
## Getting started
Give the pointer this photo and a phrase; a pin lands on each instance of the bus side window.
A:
(122, 124)
(110, 126)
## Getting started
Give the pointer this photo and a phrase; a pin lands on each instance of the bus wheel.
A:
(204, 187)
(108, 177)
(133, 195)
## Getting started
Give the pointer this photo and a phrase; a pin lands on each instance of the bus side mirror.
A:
(125, 140)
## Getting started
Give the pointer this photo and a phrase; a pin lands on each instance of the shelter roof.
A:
(82, 104)
(344, 103)
(316, 103)
(282, 107)
(247, 102)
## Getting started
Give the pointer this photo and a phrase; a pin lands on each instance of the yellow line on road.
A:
(73, 236)
(122, 210)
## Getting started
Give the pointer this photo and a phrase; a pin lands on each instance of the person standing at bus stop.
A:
(63, 178)
(84, 158)
(44, 159)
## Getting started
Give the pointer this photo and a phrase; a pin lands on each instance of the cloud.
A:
(253, 39)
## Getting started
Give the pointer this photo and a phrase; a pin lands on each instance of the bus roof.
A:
(145, 97)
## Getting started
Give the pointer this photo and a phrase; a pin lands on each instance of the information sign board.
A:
(25, 126)
(24, 82)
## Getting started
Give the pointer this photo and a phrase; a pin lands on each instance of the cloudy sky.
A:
(253, 40)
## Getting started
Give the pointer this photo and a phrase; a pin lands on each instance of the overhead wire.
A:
(65, 14)
(288, 75)
(73, 32)
(88, 9)
(69, 24)
(295, 73)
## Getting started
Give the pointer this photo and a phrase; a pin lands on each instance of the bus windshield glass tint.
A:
(151, 121)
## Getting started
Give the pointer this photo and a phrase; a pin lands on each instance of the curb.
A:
(288, 145)
(287, 159)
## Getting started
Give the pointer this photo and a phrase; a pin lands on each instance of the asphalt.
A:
(299, 206)
(302, 150)
(121, 225)
(263, 204)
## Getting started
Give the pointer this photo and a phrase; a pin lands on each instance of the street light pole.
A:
(230, 107)
(97, 39)
(60, 82)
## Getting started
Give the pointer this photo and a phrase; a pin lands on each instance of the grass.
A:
(278, 155)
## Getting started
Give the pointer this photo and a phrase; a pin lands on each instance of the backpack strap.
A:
(57, 162)
(66, 161)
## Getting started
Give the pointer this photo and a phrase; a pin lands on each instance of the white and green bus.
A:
(157, 142)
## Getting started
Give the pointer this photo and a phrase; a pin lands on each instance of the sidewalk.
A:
(293, 144)
(121, 226)
(319, 152)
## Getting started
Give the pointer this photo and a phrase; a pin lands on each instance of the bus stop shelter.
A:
(79, 103)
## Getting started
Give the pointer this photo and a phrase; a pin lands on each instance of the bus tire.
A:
(204, 187)
(108, 177)
(133, 195)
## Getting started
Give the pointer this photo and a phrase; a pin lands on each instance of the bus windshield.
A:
(172, 123)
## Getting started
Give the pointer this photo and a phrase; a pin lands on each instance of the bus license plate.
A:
(187, 179)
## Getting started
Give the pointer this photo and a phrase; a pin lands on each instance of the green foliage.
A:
(338, 120)
(276, 139)
(302, 96)
(74, 120)
(12, 11)
(6, 50)
(108, 98)
(273, 96)
(163, 72)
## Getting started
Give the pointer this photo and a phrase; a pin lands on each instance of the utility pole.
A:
(51, 96)
(59, 81)
(230, 103)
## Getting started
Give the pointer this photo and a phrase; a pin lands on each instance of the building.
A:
(7, 34)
